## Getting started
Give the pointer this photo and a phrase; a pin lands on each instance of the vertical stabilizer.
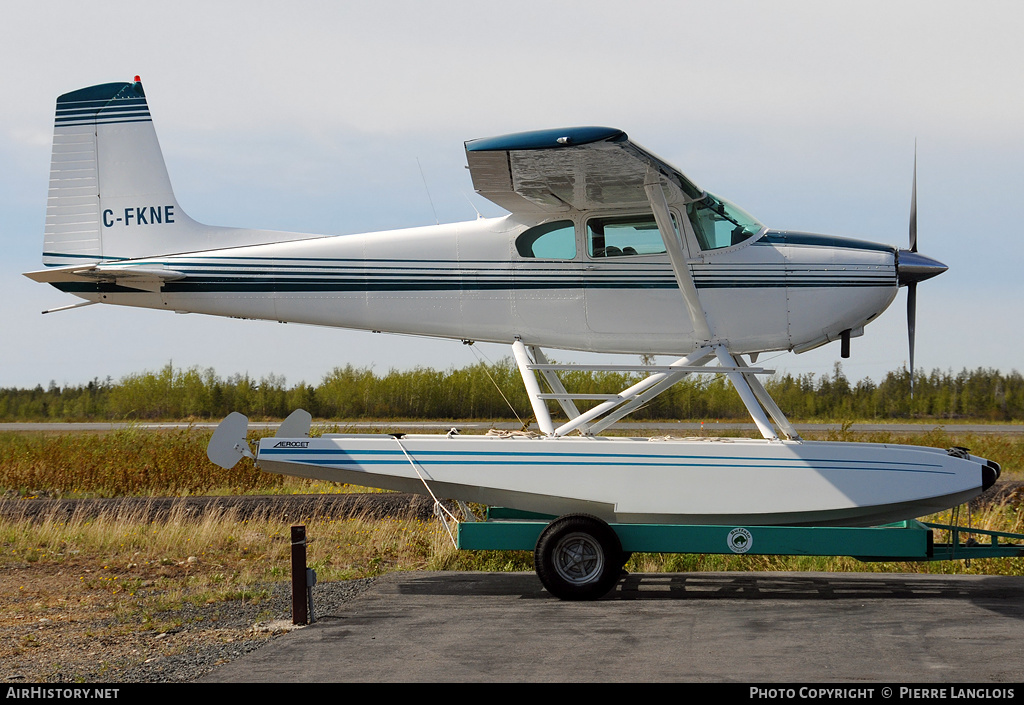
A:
(110, 197)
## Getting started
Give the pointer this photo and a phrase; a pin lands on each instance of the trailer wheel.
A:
(624, 559)
(578, 557)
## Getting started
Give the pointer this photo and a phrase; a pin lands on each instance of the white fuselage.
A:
(778, 291)
(586, 261)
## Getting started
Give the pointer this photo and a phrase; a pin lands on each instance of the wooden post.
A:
(299, 612)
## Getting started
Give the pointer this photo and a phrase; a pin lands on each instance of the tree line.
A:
(495, 391)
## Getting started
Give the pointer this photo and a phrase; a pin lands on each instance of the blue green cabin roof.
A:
(546, 139)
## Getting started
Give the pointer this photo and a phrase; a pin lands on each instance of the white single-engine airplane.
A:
(607, 248)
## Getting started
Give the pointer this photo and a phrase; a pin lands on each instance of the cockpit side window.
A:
(555, 240)
(718, 223)
(623, 236)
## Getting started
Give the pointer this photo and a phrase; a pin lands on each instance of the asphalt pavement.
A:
(699, 627)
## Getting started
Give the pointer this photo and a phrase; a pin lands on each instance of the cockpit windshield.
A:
(719, 223)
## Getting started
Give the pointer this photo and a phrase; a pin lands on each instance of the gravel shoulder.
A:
(103, 650)
(53, 631)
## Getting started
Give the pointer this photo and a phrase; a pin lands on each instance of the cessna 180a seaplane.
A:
(606, 248)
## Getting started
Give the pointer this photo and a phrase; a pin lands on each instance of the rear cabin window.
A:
(623, 236)
(556, 240)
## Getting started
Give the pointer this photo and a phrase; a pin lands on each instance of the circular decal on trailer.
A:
(740, 540)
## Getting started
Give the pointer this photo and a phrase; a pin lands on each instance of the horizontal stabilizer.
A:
(147, 278)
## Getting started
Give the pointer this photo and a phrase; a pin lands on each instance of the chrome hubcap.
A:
(579, 559)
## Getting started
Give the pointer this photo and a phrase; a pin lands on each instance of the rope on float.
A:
(440, 511)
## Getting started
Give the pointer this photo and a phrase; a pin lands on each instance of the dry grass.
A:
(218, 551)
(135, 462)
(160, 463)
(218, 546)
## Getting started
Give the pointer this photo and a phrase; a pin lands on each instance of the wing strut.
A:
(540, 407)
(676, 255)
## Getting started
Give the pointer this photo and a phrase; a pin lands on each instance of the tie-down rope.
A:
(440, 511)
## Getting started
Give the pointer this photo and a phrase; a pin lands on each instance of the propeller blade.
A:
(911, 326)
(913, 206)
(912, 286)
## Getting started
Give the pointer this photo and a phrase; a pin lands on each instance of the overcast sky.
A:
(318, 118)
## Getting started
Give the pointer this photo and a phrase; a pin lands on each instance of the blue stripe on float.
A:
(578, 455)
(313, 456)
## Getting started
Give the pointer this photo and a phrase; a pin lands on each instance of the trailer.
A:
(581, 557)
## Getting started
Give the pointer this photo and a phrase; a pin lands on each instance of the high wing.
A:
(578, 168)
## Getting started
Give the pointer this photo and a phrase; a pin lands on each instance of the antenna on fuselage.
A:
(427, 189)
(479, 215)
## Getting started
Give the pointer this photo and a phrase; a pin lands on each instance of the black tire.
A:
(624, 559)
(578, 557)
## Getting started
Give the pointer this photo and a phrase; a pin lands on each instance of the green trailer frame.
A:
(586, 545)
